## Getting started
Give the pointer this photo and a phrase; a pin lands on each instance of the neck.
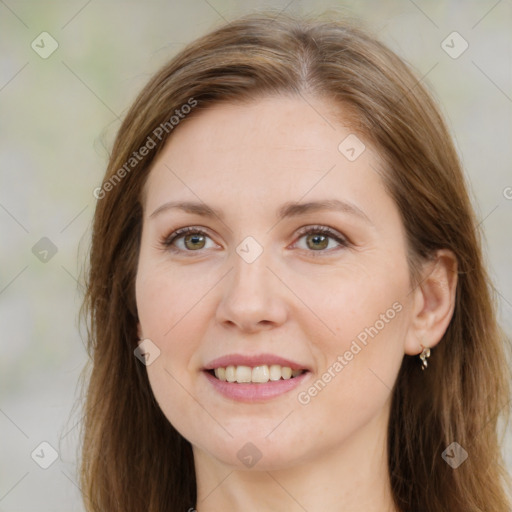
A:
(350, 477)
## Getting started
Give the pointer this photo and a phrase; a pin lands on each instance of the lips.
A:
(254, 377)
(251, 392)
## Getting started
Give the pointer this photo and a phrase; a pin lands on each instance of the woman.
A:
(288, 306)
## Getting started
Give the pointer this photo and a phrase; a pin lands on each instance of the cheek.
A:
(165, 296)
(172, 315)
(361, 347)
(359, 365)
(357, 300)
(168, 318)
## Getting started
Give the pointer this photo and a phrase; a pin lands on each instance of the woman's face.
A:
(254, 287)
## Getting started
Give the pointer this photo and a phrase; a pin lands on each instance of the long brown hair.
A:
(132, 457)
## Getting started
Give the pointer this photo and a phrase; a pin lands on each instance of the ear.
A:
(433, 302)
(139, 331)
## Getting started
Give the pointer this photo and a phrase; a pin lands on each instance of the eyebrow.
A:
(289, 209)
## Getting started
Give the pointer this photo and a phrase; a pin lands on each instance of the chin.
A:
(255, 452)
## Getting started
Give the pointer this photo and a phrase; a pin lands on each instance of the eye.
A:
(318, 238)
(193, 238)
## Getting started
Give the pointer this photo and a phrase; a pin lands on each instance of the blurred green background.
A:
(59, 114)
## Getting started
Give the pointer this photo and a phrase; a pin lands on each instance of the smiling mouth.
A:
(254, 374)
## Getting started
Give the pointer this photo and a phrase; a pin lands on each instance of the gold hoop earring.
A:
(423, 356)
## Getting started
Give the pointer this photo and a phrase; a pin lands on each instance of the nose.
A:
(253, 297)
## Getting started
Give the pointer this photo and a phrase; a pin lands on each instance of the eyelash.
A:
(168, 241)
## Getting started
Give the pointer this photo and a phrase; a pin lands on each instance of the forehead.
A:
(273, 148)
(268, 123)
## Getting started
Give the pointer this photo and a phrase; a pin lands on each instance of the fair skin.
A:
(303, 298)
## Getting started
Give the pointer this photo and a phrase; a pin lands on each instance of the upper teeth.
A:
(260, 374)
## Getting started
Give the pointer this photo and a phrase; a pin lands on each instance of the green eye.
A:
(194, 239)
(318, 238)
